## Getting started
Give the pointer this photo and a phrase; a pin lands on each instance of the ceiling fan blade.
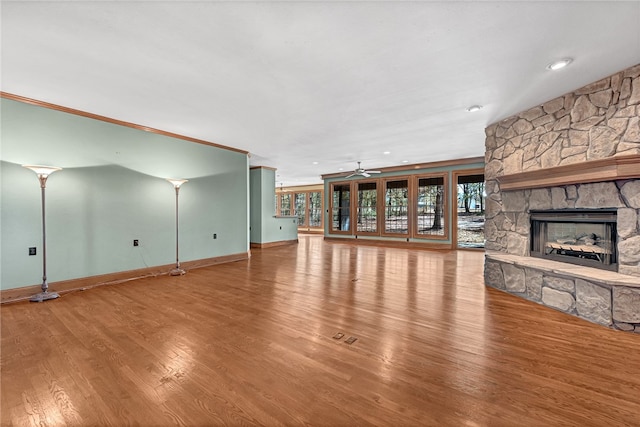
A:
(366, 175)
(349, 176)
(374, 171)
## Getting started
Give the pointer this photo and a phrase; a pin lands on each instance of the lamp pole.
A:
(43, 173)
(177, 271)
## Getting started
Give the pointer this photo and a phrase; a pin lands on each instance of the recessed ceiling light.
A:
(315, 163)
(405, 161)
(387, 152)
(474, 108)
(340, 169)
(559, 64)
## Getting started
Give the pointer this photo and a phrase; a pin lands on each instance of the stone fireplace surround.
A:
(580, 150)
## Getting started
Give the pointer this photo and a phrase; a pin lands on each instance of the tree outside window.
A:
(397, 206)
(430, 206)
(367, 207)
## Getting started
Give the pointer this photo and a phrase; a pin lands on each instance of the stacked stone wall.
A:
(598, 121)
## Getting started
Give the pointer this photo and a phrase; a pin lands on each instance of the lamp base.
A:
(177, 272)
(44, 296)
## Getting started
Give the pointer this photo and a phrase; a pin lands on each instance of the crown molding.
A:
(68, 110)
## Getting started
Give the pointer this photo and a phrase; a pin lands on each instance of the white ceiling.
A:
(311, 81)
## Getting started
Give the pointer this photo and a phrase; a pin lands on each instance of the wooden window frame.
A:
(379, 211)
(294, 212)
(321, 226)
(445, 205)
(454, 212)
(330, 219)
(279, 203)
(306, 209)
(410, 204)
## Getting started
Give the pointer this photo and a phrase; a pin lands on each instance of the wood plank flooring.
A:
(250, 343)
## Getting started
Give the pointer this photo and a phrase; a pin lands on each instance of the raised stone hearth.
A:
(604, 297)
(578, 151)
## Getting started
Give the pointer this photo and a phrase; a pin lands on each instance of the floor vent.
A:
(350, 340)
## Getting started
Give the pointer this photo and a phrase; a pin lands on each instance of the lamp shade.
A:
(177, 182)
(42, 171)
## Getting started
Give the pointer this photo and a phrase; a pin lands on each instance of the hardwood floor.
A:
(251, 343)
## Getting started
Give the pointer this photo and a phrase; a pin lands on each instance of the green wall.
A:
(256, 211)
(265, 226)
(112, 189)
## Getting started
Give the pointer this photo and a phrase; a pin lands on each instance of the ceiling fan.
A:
(362, 172)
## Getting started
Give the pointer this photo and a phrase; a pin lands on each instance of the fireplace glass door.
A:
(583, 237)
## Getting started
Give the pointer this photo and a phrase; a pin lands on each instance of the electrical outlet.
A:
(32, 251)
(135, 242)
(215, 235)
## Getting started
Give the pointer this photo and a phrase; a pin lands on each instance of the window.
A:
(367, 207)
(306, 206)
(301, 208)
(396, 208)
(315, 209)
(416, 205)
(430, 207)
(470, 209)
(285, 204)
(340, 207)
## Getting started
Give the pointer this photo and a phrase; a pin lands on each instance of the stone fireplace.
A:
(563, 202)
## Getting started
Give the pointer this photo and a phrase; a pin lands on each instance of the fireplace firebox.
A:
(579, 236)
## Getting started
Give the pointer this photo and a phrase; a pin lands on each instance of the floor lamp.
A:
(177, 271)
(43, 173)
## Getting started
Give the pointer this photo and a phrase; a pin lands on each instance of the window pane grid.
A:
(301, 212)
(430, 209)
(315, 209)
(340, 212)
(285, 205)
(396, 207)
(367, 208)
